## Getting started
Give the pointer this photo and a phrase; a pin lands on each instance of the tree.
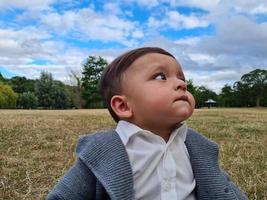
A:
(2, 79)
(60, 97)
(44, 90)
(22, 84)
(92, 70)
(8, 97)
(242, 95)
(256, 82)
(191, 88)
(50, 93)
(27, 100)
(203, 94)
(226, 97)
(76, 89)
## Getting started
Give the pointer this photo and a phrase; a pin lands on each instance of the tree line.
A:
(48, 93)
(249, 91)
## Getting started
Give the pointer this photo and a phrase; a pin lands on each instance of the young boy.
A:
(151, 154)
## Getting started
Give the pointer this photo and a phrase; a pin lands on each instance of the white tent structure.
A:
(210, 102)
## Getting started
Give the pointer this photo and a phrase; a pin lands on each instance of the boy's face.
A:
(155, 88)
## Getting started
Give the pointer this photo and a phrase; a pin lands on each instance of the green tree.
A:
(92, 70)
(27, 100)
(22, 84)
(2, 78)
(203, 94)
(44, 90)
(60, 96)
(226, 97)
(76, 89)
(8, 97)
(256, 83)
(191, 87)
(50, 93)
(242, 95)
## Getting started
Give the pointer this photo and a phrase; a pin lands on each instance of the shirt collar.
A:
(180, 131)
(126, 130)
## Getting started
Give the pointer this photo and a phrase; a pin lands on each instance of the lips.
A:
(182, 98)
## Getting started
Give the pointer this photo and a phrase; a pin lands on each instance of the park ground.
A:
(38, 146)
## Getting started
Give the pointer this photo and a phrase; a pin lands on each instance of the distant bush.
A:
(27, 100)
(8, 97)
(51, 94)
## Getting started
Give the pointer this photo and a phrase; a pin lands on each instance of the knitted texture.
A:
(211, 181)
(105, 155)
(103, 171)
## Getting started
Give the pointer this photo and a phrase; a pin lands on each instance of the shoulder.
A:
(200, 143)
(100, 147)
(209, 176)
(195, 136)
(96, 140)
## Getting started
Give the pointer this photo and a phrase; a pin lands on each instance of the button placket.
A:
(169, 176)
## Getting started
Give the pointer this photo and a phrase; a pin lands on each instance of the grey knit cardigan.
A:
(103, 171)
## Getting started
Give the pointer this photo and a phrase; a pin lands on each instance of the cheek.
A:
(153, 102)
(152, 98)
(191, 100)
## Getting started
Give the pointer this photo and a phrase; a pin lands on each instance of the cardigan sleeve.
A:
(77, 184)
(238, 193)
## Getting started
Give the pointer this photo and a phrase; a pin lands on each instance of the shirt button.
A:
(166, 185)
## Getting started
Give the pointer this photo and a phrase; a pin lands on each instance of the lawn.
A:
(37, 147)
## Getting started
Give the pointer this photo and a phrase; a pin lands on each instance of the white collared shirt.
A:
(160, 170)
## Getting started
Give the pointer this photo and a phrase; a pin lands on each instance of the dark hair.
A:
(110, 82)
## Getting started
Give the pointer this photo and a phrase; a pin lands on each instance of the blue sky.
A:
(215, 41)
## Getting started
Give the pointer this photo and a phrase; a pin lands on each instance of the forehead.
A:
(153, 61)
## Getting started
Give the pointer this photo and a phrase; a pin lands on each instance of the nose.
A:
(180, 85)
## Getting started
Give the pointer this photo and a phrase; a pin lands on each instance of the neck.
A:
(164, 132)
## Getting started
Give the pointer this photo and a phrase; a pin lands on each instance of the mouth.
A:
(182, 98)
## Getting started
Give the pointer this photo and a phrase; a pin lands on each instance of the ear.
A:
(121, 107)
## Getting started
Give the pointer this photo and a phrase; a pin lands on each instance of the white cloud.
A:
(60, 23)
(237, 46)
(208, 5)
(247, 6)
(204, 4)
(260, 9)
(20, 46)
(201, 58)
(145, 3)
(112, 8)
(237, 35)
(26, 4)
(137, 34)
(90, 25)
(24, 33)
(33, 71)
(213, 80)
(177, 21)
(191, 41)
(8, 44)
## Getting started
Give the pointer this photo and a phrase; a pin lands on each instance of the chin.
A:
(185, 113)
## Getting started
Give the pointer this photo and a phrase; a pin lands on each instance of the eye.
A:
(160, 76)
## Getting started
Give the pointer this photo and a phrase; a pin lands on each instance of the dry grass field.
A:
(37, 147)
